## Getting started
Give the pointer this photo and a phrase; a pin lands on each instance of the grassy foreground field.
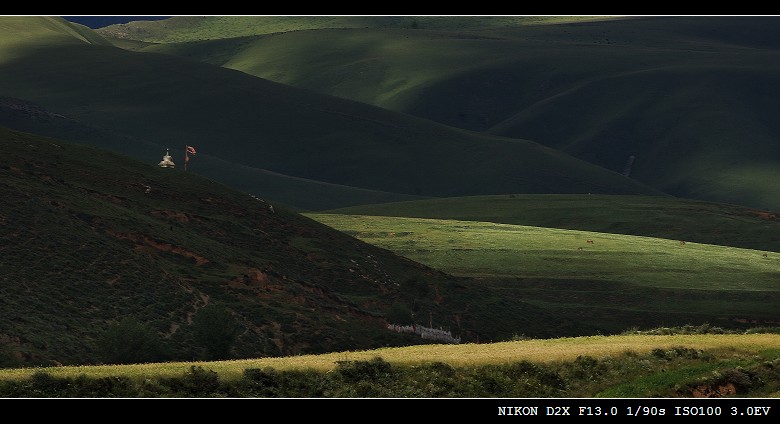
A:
(615, 366)
(546, 350)
(483, 249)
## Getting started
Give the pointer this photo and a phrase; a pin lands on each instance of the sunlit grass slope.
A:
(616, 366)
(615, 282)
(192, 28)
(44, 30)
(542, 350)
(663, 217)
(482, 249)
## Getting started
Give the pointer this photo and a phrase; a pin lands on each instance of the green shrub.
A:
(260, 383)
(7, 358)
(197, 382)
(676, 352)
(399, 314)
(436, 379)
(215, 331)
(356, 371)
(130, 341)
(86, 387)
(544, 376)
(586, 368)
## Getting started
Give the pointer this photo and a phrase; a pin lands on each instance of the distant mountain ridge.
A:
(95, 22)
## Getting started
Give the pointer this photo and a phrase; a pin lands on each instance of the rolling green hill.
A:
(605, 279)
(483, 249)
(690, 98)
(250, 122)
(88, 238)
(194, 28)
(42, 31)
(669, 218)
(303, 193)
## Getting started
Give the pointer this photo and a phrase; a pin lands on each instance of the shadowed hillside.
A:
(683, 104)
(88, 238)
(228, 115)
(306, 194)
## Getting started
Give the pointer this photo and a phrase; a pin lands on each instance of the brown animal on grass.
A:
(682, 242)
(589, 241)
(579, 248)
(765, 255)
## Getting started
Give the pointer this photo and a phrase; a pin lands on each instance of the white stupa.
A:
(167, 162)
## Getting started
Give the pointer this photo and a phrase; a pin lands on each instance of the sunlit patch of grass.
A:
(471, 248)
(541, 351)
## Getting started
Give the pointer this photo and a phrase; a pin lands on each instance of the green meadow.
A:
(614, 283)
(483, 249)
(651, 216)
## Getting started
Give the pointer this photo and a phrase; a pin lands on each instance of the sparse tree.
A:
(215, 330)
(129, 341)
(399, 314)
(7, 359)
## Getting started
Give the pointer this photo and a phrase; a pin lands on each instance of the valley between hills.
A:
(390, 207)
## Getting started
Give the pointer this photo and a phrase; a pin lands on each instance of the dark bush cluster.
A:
(702, 329)
(676, 352)
(42, 384)
(374, 378)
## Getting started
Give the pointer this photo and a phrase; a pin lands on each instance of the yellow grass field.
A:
(547, 350)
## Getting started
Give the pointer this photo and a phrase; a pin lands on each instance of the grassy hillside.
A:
(669, 218)
(691, 98)
(618, 366)
(193, 28)
(615, 281)
(483, 249)
(43, 31)
(168, 101)
(90, 237)
(307, 194)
